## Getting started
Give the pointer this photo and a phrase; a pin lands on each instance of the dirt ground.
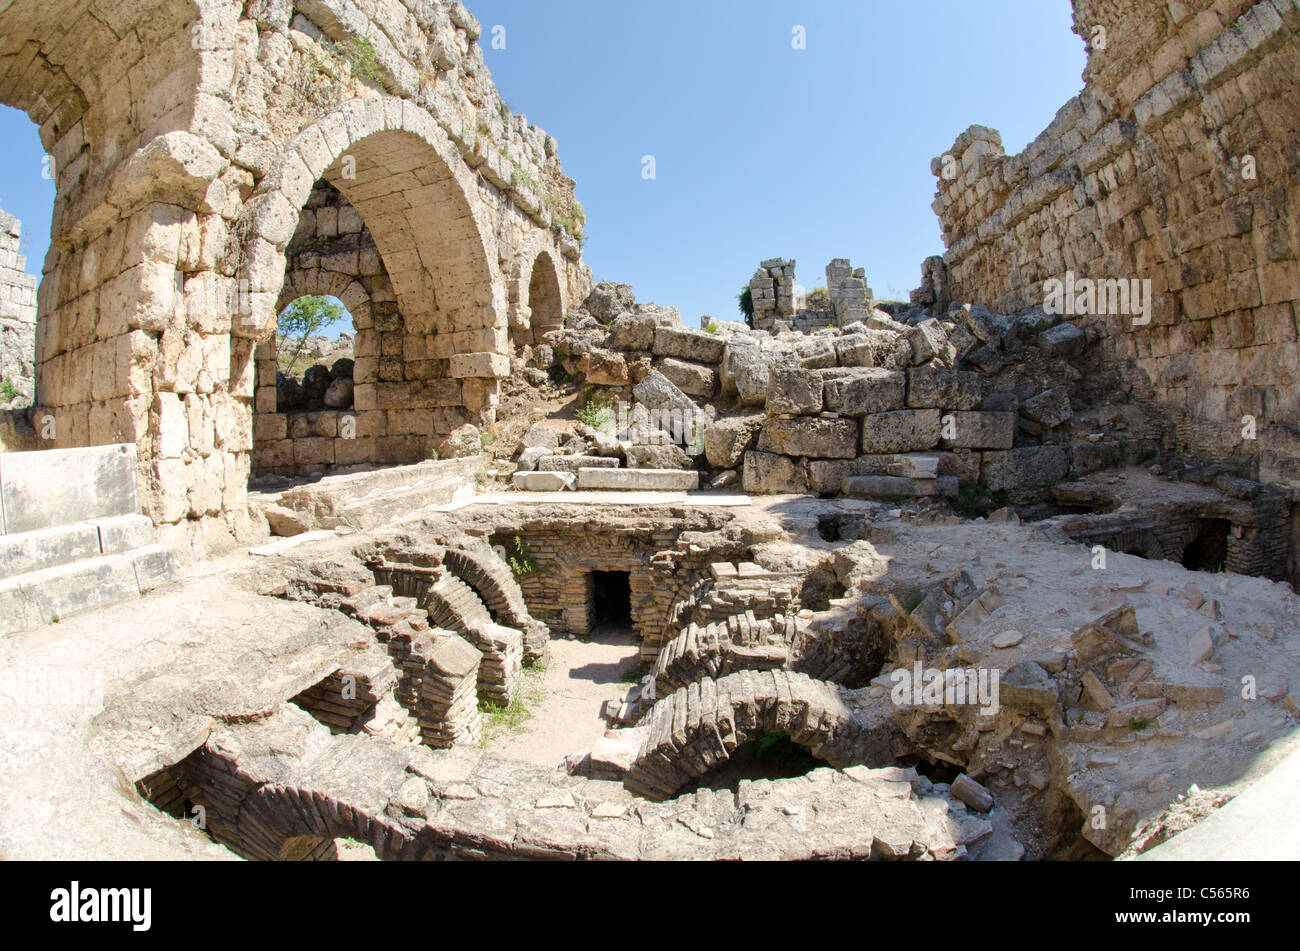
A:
(566, 699)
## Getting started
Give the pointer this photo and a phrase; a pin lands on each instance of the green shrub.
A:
(595, 412)
(521, 560)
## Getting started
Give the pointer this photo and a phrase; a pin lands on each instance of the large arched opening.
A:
(390, 226)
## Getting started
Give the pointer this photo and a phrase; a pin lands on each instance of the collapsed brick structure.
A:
(187, 138)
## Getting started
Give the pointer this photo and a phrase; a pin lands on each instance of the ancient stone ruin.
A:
(527, 568)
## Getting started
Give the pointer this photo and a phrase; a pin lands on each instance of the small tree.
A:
(747, 304)
(301, 319)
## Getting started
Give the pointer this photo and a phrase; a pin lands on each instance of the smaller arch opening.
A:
(545, 302)
(315, 354)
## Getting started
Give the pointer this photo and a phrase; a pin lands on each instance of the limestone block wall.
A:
(187, 136)
(1175, 165)
(17, 312)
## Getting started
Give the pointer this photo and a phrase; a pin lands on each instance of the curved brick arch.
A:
(279, 823)
(698, 728)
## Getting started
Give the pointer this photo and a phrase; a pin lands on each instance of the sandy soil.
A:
(569, 695)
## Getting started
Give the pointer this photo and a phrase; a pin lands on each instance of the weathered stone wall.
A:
(187, 135)
(1175, 165)
(17, 314)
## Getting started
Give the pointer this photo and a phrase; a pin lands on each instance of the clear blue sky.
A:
(761, 150)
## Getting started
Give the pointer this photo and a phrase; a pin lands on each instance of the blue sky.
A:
(761, 150)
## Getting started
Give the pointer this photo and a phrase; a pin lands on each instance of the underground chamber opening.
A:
(770, 756)
(611, 598)
(1208, 551)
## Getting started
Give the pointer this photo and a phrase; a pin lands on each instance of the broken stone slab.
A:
(544, 481)
(980, 430)
(811, 437)
(872, 487)
(639, 480)
(901, 432)
(574, 463)
(1201, 646)
(864, 392)
(1139, 710)
(1027, 686)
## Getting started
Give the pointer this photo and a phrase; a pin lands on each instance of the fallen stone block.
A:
(694, 345)
(1063, 340)
(1050, 408)
(693, 379)
(727, 440)
(639, 480)
(964, 789)
(574, 463)
(656, 391)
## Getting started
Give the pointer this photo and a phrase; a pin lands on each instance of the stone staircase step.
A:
(38, 597)
(27, 552)
(639, 480)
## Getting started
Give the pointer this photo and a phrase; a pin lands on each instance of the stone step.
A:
(639, 480)
(39, 597)
(27, 552)
(871, 487)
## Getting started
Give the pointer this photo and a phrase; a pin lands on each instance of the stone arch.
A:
(698, 727)
(400, 170)
(537, 291)
(422, 206)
